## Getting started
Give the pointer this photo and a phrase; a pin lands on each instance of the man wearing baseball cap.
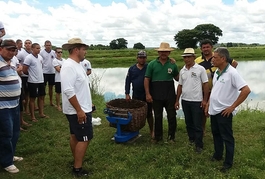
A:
(135, 76)
(9, 107)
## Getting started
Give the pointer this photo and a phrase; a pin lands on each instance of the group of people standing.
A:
(24, 74)
(207, 86)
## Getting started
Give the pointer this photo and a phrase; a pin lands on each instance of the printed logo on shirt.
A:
(222, 81)
(193, 75)
(169, 70)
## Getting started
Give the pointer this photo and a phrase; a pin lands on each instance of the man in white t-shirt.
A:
(193, 82)
(87, 67)
(33, 67)
(57, 63)
(2, 30)
(48, 70)
(21, 57)
(229, 91)
(77, 102)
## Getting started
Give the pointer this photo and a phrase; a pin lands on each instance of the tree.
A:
(113, 44)
(186, 38)
(190, 37)
(119, 43)
(208, 31)
(138, 46)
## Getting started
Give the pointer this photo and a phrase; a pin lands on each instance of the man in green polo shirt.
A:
(159, 75)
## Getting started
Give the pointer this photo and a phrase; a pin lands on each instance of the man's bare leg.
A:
(78, 150)
(31, 108)
(150, 121)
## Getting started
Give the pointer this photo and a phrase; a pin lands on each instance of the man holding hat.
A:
(77, 102)
(9, 107)
(193, 82)
(159, 76)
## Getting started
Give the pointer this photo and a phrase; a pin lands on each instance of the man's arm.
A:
(80, 113)
(147, 90)
(25, 69)
(88, 72)
(205, 87)
(242, 96)
(179, 91)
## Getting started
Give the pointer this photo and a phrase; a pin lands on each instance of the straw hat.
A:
(188, 52)
(73, 43)
(164, 47)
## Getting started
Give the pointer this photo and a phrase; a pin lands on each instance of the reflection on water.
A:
(112, 82)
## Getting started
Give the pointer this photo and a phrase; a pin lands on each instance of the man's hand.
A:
(149, 98)
(228, 111)
(81, 116)
(177, 105)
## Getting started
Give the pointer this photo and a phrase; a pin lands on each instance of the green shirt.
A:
(161, 76)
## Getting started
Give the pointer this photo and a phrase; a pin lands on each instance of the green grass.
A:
(46, 151)
(127, 57)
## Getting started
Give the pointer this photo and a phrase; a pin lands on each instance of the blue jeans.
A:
(9, 133)
(193, 119)
(223, 135)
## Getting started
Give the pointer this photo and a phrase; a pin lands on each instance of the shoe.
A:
(170, 141)
(17, 159)
(213, 159)
(80, 173)
(198, 150)
(191, 142)
(12, 169)
(224, 169)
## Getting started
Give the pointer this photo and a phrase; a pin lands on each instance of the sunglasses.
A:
(59, 52)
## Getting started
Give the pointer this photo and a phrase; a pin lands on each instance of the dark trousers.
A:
(223, 134)
(158, 106)
(193, 119)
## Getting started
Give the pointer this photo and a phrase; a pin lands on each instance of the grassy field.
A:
(46, 151)
(47, 155)
(127, 57)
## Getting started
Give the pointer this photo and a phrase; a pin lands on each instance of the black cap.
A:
(9, 44)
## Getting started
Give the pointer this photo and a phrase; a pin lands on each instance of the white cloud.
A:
(145, 21)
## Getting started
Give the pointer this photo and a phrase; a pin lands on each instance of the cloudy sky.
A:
(147, 21)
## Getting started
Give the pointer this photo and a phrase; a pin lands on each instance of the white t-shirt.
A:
(47, 61)
(74, 81)
(57, 62)
(191, 81)
(21, 55)
(225, 90)
(35, 74)
(15, 63)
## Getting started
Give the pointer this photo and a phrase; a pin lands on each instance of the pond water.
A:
(112, 82)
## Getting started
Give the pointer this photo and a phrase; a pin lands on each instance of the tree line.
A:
(183, 39)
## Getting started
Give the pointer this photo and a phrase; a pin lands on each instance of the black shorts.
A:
(25, 84)
(82, 132)
(50, 78)
(58, 87)
(36, 90)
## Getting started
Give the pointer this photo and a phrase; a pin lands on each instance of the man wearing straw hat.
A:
(193, 82)
(77, 102)
(160, 74)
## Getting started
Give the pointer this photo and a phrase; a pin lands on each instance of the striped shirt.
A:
(9, 85)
